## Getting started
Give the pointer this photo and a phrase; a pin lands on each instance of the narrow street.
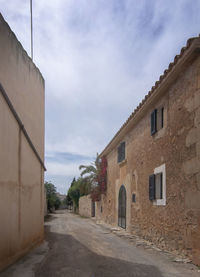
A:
(77, 246)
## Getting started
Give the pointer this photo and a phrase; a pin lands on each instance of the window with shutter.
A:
(153, 122)
(121, 152)
(157, 120)
(152, 187)
(162, 117)
(157, 186)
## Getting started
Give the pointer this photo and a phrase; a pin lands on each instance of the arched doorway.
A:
(122, 207)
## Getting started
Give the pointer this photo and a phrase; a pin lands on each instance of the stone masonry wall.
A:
(176, 225)
(85, 206)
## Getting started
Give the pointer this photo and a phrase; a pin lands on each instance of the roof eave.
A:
(166, 80)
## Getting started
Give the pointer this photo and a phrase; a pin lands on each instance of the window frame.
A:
(159, 186)
(154, 122)
(121, 152)
(158, 170)
(157, 120)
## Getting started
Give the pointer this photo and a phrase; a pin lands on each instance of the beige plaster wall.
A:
(24, 85)
(98, 211)
(21, 174)
(9, 189)
(176, 226)
(85, 206)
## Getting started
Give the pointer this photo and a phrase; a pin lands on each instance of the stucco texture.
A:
(85, 206)
(21, 173)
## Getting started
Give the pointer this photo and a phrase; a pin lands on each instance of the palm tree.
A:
(91, 171)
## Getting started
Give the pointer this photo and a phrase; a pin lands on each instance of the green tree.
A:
(68, 200)
(91, 172)
(92, 175)
(57, 203)
(85, 186)
(52, 199)
(87, 182)
(78, 188)
(74, 192)
(73, 182)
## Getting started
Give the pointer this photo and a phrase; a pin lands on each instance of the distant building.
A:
(153, 162)
(21, 149)
(62, 198)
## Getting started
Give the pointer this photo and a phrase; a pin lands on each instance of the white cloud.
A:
(58, 169)
(99, 59)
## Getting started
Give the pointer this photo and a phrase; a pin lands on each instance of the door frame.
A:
(122, 207)
(93, 208)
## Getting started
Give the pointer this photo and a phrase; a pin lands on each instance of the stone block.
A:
(191, 166)
(197, 118)
(192, 137)
(192, 200)
(198, 78)
(193, 103)
(196, 256)
(198, 180)
(196, 238)
(198, 145)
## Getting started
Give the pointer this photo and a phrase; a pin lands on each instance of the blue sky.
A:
(99, 59)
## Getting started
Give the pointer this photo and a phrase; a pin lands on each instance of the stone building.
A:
(21, 149)
(153, 162)
(86, 206)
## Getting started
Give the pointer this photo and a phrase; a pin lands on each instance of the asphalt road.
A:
(78, 247)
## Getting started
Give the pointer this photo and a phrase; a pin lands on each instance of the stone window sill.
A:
(123, 162)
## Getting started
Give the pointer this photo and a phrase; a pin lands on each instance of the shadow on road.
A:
(68, 257)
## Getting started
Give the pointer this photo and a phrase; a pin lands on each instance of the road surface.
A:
(78, 247)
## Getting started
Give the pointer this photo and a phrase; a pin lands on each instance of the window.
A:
(121, 152)
(157, 120)
(152, 187)
(134, 197)
(153, 122)
(157, 186)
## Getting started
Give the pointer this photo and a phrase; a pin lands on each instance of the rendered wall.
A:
(24, 85)
(85, 206)
(176, 226)
(21, 173)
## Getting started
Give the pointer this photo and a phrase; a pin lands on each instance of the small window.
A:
(152, 187)
(153, 122)
(162, 117)
(133, 197)
(157, 186)
(157, 120)
(121, 152)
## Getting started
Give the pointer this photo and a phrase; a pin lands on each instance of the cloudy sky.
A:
(99, 59)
